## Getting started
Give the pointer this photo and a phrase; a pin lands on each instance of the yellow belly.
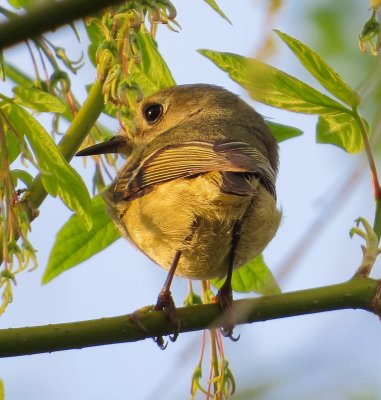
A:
(192, 215)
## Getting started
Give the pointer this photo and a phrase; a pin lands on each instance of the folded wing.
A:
(237, 161)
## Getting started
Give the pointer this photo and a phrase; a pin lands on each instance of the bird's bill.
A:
(117, 144)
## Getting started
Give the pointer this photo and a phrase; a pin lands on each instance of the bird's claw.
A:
(165, 303)
(229, 334)
(225, 300)
(159, 340)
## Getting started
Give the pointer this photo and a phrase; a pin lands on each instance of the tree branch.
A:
(48, 17)
(359, 292)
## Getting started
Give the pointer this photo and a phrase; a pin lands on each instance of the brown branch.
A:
(48, 17)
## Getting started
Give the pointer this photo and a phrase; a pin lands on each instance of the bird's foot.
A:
(225, 300)
(165, 303)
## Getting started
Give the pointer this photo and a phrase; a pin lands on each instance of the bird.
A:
(197, 192)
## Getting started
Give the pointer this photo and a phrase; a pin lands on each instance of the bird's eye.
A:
(153, 112)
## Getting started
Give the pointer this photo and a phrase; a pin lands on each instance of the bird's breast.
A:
(194, 216)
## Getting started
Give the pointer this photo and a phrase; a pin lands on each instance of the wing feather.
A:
(194, 158)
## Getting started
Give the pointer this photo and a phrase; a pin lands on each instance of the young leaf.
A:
(59, 178)
(321, 71)
(13, 146)
(217, 9)
(340, 129)
(278, 89)
(23, 176)
(96, 36)
(75, 244)
(2, 66)
(17, 76)
(283, 132)
(255, 276)
(22, 79)
(19, 3)
(272, 86)
(38, 100)
(152, 74)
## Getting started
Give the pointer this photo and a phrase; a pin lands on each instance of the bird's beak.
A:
(117, 144)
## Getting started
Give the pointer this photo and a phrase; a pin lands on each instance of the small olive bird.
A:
(197, 192)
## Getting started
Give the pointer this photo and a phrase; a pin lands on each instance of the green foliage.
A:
(217, 9)
(337, 122)
(58, 177)
(17, 76)
(340, 129)
(19, 3)
(152, 74)
(23, 176)
(38, 100)
(273, 87)
(96, 37)
(140, 72)
(75, 243)
(321, 71)
(255, 276)
(283, 132)
(13, 146)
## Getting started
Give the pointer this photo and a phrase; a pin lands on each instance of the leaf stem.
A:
(373, 171)
(214, 369)
(359, 292)
(369, 154)
(377, 219)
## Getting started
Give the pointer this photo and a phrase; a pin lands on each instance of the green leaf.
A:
(340, 129)
(38, 100)
(25, 177)
(13, 146)
(321, 71)
(283, 132)
(217, 9)
(2, 66)
(255, 276)
(74, 244)
(20, 78)
(152, 74)
(16, 75)
(2, 390)
(58, 177)
(19, 3)
(96, 36)
(272, 86)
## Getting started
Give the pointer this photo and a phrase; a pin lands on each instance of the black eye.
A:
(153, 112)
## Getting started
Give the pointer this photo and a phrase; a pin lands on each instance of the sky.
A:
(326, 356)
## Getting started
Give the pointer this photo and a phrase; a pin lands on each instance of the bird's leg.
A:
(225, 293)
(165, 302)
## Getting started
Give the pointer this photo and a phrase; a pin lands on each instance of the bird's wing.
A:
(194, 158)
